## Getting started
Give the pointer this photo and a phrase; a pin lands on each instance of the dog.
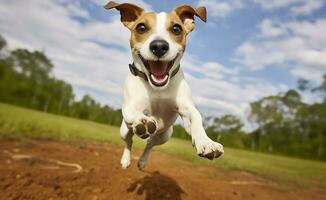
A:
(155, 91)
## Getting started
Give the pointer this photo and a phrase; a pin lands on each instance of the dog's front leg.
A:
(135, 122)
(193, 124)
(126, 135)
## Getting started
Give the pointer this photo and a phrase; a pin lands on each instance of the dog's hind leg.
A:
(126, 135)
(156, 139)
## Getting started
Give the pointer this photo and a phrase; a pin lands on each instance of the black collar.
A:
(137, 72)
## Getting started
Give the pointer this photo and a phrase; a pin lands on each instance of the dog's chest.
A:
(164, 110)
(162, 106)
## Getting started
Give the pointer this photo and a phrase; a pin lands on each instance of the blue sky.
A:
(248, 49)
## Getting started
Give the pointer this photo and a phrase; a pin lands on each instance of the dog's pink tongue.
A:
(158, 68)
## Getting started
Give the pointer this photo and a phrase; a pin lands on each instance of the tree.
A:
(303, 84)
(321, 88)
(227, 130)
(179, 132)
(26, 80)
(227, 124)
(3, 43)
(312, 119)
(275, 116)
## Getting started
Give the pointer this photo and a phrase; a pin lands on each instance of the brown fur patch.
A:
(172, 19)
(128, 12)
(149, 19)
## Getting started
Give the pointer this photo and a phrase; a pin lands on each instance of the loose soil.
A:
(43, 169)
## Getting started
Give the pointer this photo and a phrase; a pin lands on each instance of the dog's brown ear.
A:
(187, 13)
(129, 12)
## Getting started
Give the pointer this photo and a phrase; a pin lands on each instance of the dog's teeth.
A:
(159, 81)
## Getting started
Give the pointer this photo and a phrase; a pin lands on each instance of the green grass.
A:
(19, 123)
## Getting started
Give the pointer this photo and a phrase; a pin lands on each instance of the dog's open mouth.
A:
(158, 70)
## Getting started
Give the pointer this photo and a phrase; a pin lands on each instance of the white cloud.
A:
(216, 95)
(212, 70)
(296, 7)
(221, 8)
(75, 10)
(303, 72)
(307, 7)
(270, 29)
(275, 4)
(139, 3)
(294, 43)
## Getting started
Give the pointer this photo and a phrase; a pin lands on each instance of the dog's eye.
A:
(141, 28)
(176, 29)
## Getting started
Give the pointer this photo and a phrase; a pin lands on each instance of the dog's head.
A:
(158, 40)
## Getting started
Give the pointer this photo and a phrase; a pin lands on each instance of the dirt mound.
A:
(78, 170)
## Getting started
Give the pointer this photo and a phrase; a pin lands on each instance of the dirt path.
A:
(77, 170)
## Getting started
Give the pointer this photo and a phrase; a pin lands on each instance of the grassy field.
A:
(19, 123)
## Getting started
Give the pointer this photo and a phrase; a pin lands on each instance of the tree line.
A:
(284, 123)
(26, 80)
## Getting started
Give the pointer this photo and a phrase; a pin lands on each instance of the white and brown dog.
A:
(156, 91)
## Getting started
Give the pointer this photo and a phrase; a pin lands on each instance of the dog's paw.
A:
(144, 127)
(208, 148)
(125, 161)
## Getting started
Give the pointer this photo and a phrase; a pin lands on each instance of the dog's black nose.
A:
(159, 47)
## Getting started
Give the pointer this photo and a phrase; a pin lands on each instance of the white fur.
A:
(146, 102)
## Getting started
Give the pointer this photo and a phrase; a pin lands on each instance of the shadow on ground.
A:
(157, 186)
